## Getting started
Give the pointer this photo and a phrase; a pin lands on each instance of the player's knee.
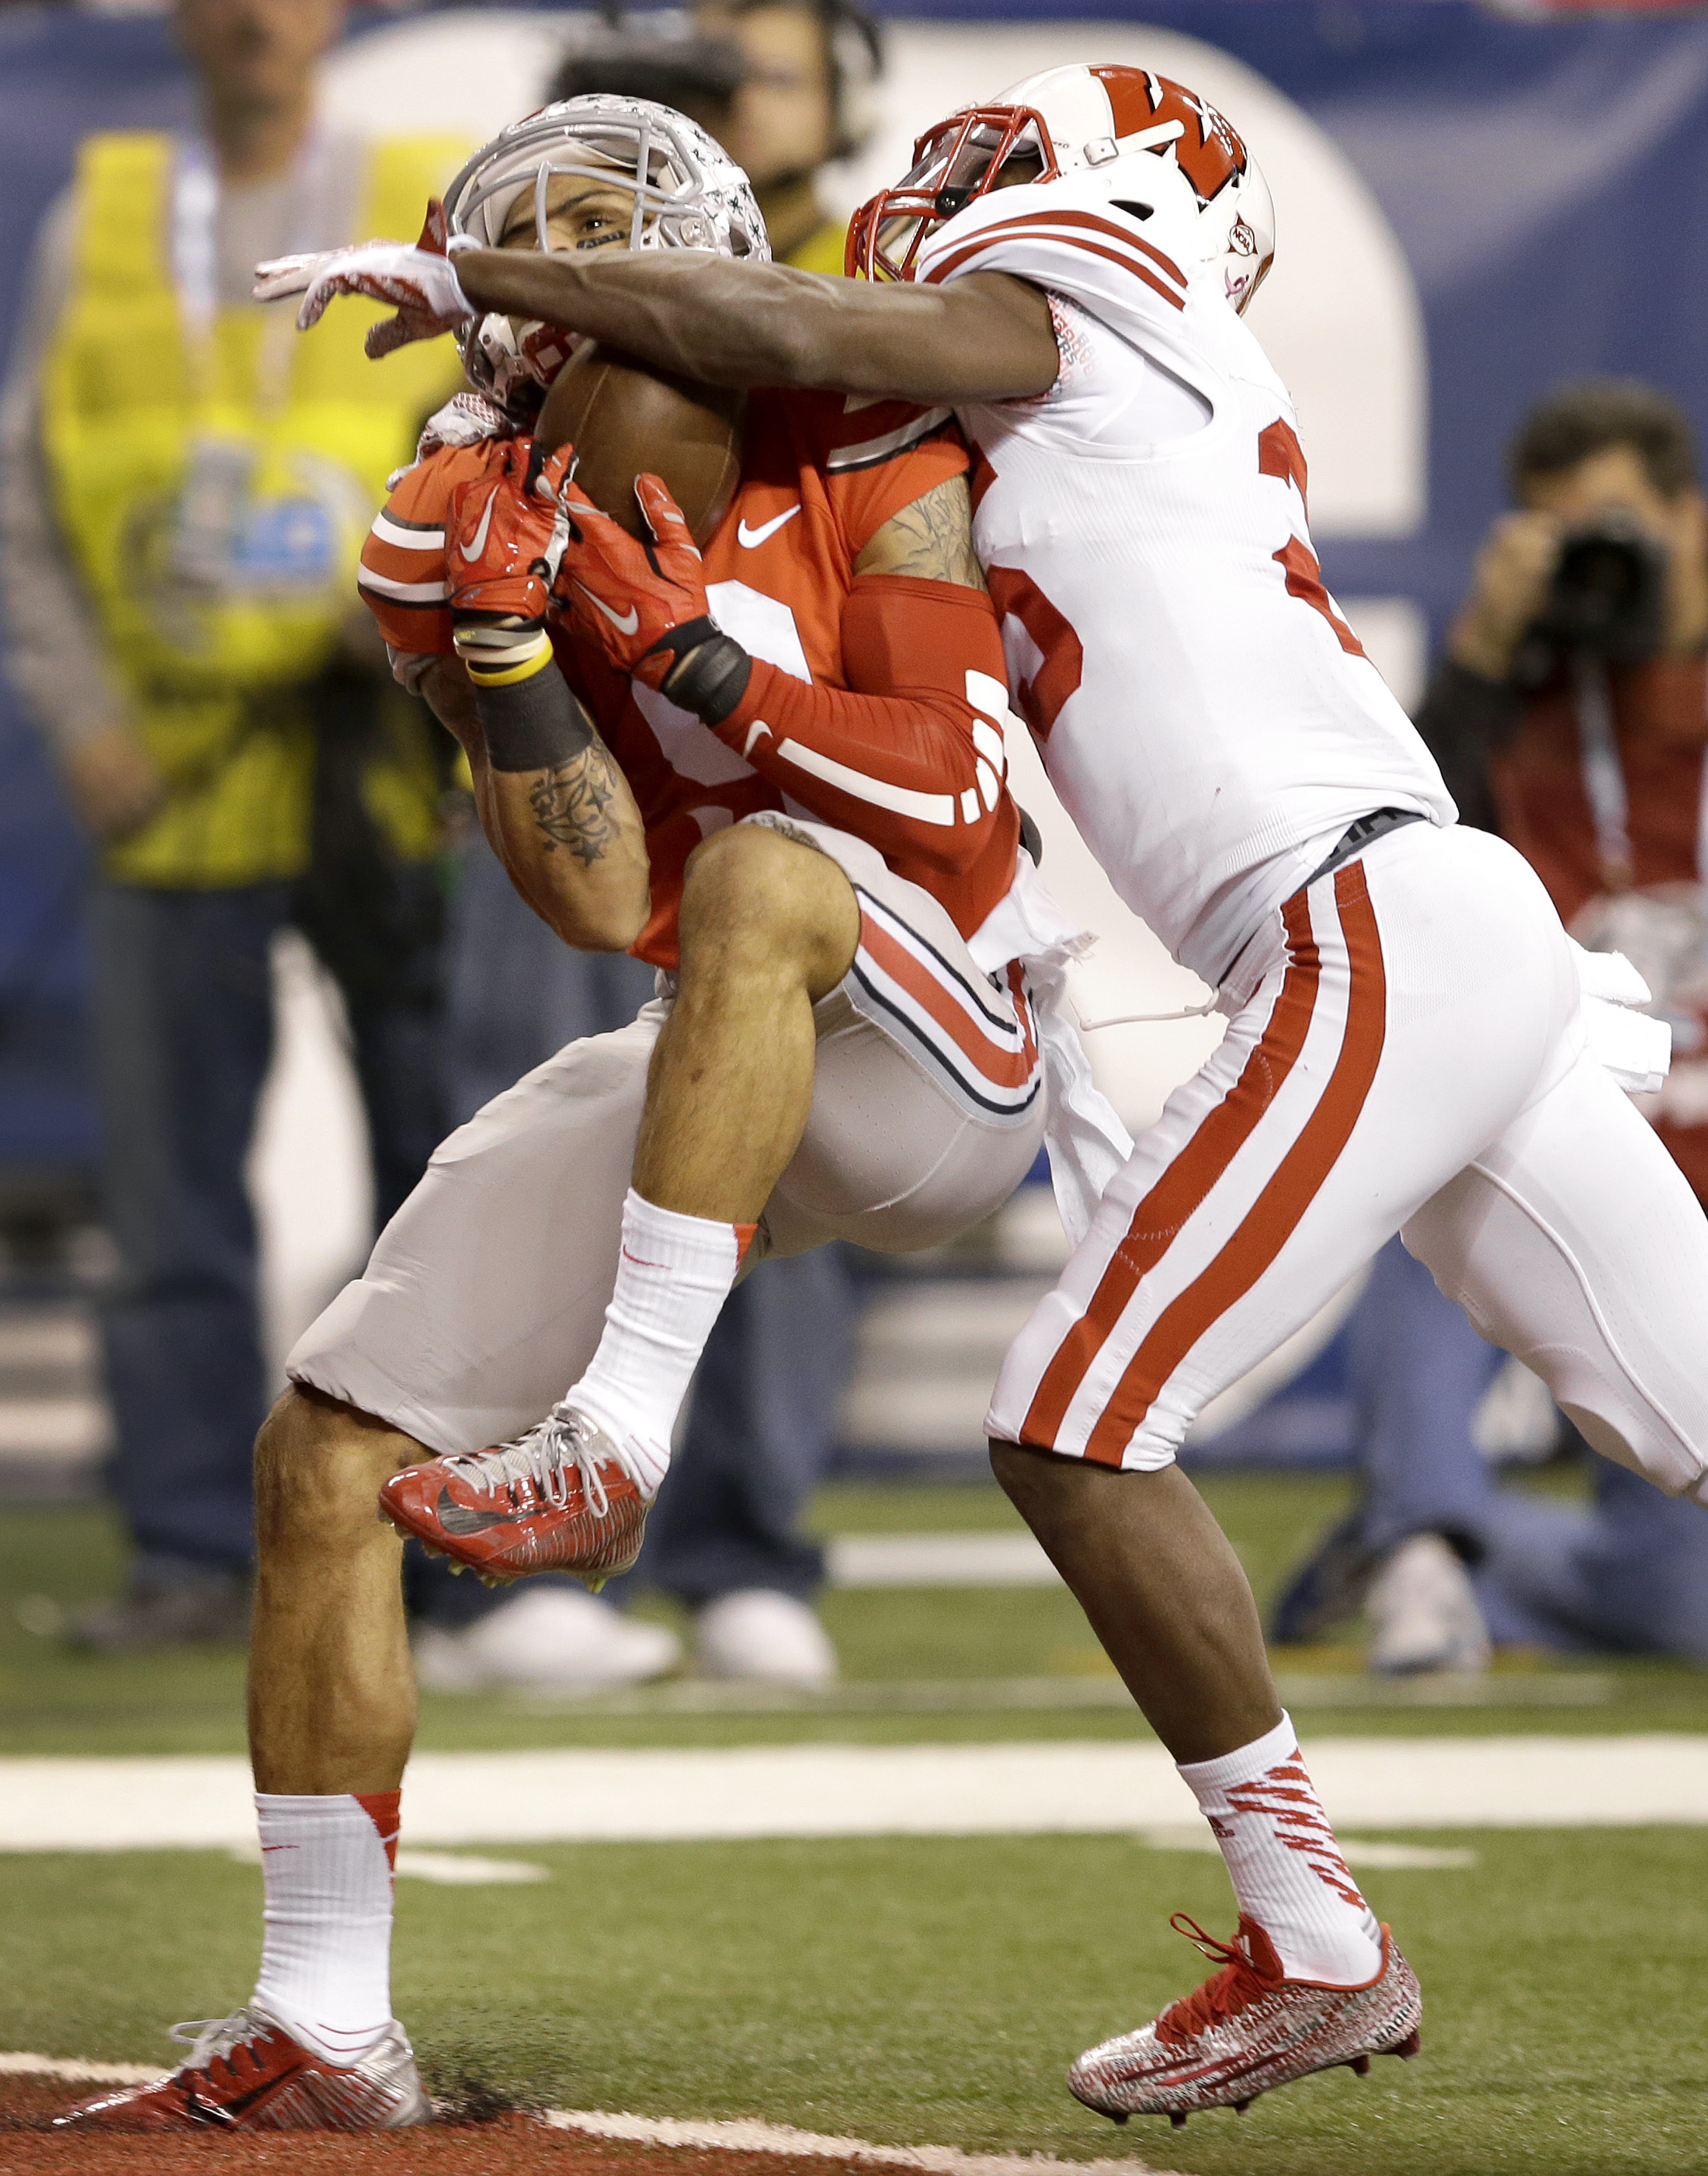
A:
(751, 896)
(317, 1465)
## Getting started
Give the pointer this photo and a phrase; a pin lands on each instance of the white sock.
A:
(326, 1957)
(1286, 1867)
(674, 1275)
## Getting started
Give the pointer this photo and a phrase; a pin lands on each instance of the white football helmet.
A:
(1121, 128)
(688, 194)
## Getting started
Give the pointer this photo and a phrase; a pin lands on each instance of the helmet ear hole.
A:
(1132, 208)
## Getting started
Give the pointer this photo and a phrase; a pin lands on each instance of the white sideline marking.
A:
(748, 2137)
(1357, 1851)
(938, 1560)
(454, 1869)
(740, 2137)
(80, 2074)
(1065, 1788)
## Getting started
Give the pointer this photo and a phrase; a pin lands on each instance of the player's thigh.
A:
(929, 1097)
(1404, 1009)
(485, 1295)
(1575, 1242)
(890, 1160)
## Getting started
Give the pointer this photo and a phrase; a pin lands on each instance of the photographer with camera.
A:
(1569, 713)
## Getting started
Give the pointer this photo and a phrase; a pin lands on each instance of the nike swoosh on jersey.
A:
(626, 624)
(753, 538)
(471, 552)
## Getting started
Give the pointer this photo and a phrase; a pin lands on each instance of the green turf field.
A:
(934, 1992)
(921, 1991)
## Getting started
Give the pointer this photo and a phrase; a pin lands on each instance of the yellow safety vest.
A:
(137, 411)
(823, 249)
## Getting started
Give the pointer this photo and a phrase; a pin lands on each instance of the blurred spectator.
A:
(777, 84)
(1570, 713)
(804, 101)
(186, 484)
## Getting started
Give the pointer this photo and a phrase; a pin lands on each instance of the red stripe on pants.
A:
(1182, 1188)
(1274, 1216)
(1001, 1068)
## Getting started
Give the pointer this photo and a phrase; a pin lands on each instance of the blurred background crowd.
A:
(256, 960)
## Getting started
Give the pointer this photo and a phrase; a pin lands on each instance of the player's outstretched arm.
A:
(986, 337)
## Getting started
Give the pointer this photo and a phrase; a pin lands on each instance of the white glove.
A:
(418, 281)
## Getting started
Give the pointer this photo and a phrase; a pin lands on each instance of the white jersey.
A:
(1206, 715)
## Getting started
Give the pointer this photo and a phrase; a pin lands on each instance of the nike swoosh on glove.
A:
(505, 534)
(419, 283)
(643, 602)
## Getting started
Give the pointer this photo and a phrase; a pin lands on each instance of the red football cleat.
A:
(558, 1498)
(246, 2072)
(1247, 2029)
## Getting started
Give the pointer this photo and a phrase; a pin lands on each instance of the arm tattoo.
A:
(932, 539)
(572, 805)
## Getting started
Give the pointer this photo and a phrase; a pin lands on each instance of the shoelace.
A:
(1223, 1996)
(565, 1438)
(211, 2040)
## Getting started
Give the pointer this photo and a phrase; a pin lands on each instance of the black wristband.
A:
(533, 724)
(711, 682)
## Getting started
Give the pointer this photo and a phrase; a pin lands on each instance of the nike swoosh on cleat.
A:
(460, 1519)
(753, 538)
(218, 2114)
(471, 552)
(625, 625)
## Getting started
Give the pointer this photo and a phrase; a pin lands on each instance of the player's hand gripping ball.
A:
(643, 601)
(627, 420)
(505, 536)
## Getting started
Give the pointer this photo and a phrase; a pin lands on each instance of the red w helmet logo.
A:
(1209, 148)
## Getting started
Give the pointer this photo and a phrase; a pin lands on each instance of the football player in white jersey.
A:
(1413, 1045)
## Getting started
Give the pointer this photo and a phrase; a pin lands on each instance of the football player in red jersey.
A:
(1414, 1046)
(765, 768)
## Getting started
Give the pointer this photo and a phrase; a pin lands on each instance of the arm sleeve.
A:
(55, 651)
(910, 756)
(882, 457)
(405, 578)
(1463, 720)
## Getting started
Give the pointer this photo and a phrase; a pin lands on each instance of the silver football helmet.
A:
(688, 194)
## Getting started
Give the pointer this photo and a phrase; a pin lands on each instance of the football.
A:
(625, 420)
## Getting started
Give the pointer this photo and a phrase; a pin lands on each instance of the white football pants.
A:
(486, 1296)
(1406, 1053)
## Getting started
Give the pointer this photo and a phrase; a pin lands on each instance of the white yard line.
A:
(77, 2073)
(748, 2137)
(659, 1795)
(938, 1560)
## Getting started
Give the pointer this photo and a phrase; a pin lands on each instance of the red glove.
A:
(645, 603)
(505, 534)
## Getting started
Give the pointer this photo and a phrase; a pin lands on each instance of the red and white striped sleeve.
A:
(403, 580)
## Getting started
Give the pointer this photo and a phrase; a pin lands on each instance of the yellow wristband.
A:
(518, 664)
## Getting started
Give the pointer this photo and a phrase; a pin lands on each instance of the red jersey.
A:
(821, 476)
